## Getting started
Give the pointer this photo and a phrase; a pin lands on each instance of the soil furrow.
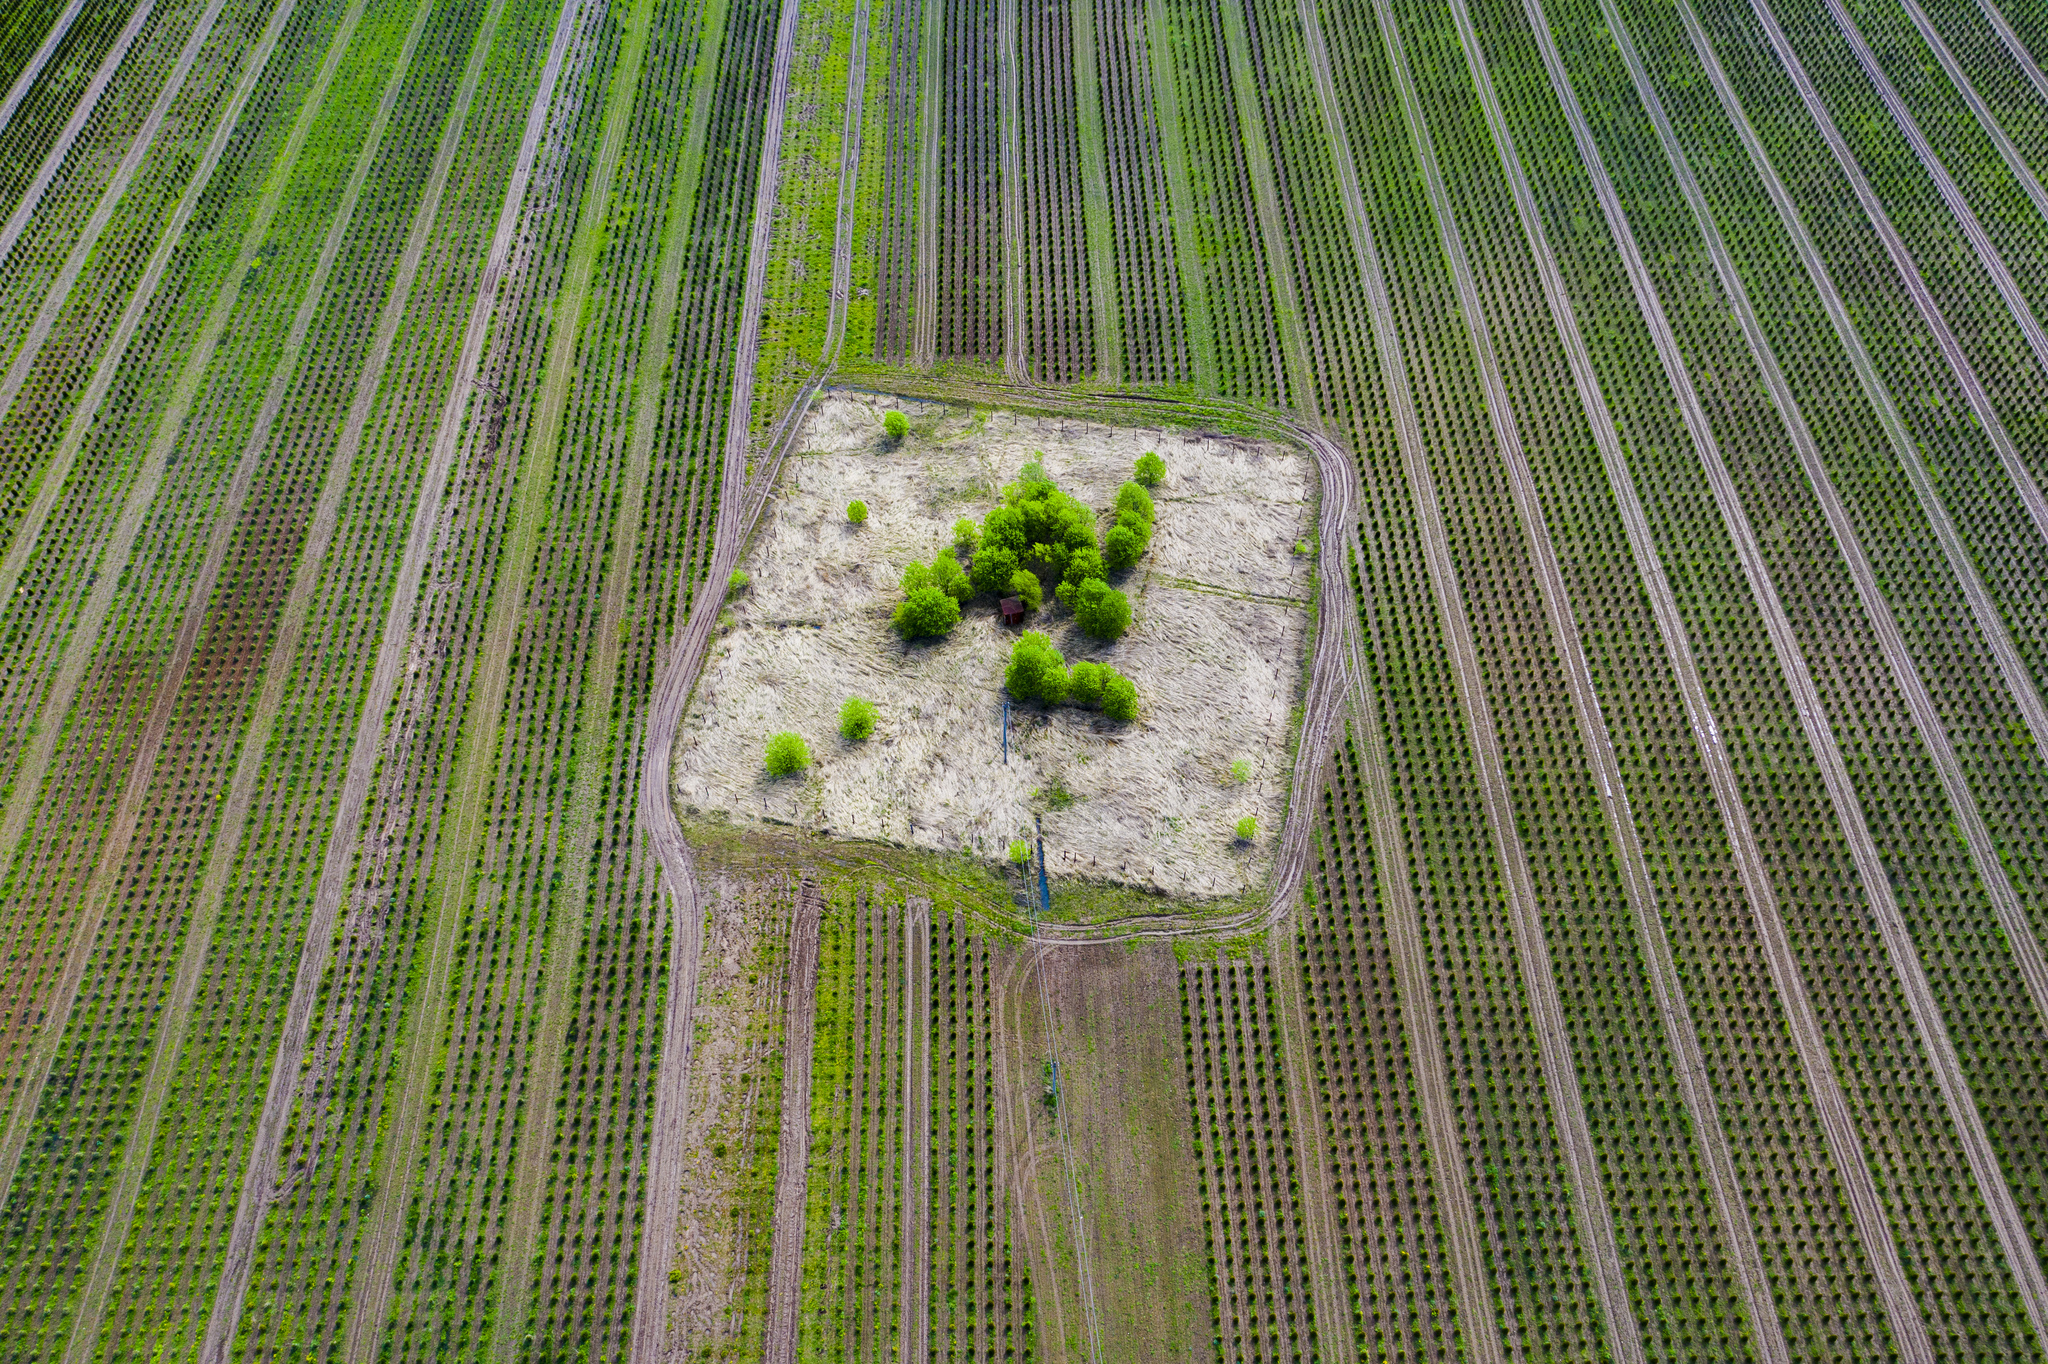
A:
(1951, 194)
(393, 651)
(2020, 936)
(141, 1140)
(36, 62)
(81, 114)
(792, 1161)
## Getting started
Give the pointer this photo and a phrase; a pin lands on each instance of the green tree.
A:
(1149, 469)
(857, 512)
(1119, 698)
(1036, 671)
(1025, 587)
(1121, 547)
(949, 578)
(926, 613)
(856, 719)
(787, 754)
(1132, 499)
(895, 424)
(966, 535)
(994, 568)
(1085, 681)
(1101, 610)
(739, 580)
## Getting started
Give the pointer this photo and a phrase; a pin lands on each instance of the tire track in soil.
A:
(1951, 194)
(54, 297)
(1595, 1219)
(394, 646)
(81, 114)
(792, 1161)
(1902, 262)
(2019, 682)
(38, 60)
(83, 637)
(1909, 1331)
(2010, 154)
(2012, 915)
(141, 1140)
(1716, 1161)
(1023, 1152)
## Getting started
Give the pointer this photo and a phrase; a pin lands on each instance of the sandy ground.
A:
(1216, 646)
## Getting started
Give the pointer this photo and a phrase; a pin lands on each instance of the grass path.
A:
(81, 114)
(2012, 915)
(476, 774)
(112, 557)
(393, 648)
(37, 61)
(198, 943)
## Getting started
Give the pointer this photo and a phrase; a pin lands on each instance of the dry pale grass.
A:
(1216, 646)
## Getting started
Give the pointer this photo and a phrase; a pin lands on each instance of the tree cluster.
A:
(1038, 672)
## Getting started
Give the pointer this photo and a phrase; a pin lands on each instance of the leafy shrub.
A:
(739, 580)
(1120, 698)
(950, 578)
(1121, 547)
(1101, 610)
(1083, 564)
(1036, 671)
(895, 424)
(856, 719)
(926, 613)
(1241, 771)
(1133, 499)
(1149, 470)
(1020, 851)
(1003, 528)
(787, 754)
(916, 578)
(1247, 829)
(1024, 586)
(1085, 681)
(857, 512)
(994, 568)
(966, 535)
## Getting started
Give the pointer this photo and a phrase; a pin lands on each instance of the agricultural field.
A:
(898, 680)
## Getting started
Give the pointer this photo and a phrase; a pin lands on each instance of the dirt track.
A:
(40, 58)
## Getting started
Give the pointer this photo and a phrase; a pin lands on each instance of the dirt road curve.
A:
(793, 1155)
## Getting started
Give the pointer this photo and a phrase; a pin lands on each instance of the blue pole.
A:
(1006, 731)
(1044, 891)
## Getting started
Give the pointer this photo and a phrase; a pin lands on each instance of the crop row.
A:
(1251, 1196)
(969, 325)
(1059, 336)
(1152, 327)
(60, 90)
(2001, 81)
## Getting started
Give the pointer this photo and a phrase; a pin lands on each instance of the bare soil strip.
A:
(2012, 915)
(1595, 1218)
(1951, 193)
(2019, 682)
(83, 638)
(1335, 1341)
(38, 332)
(38, 60)
(198, 942)
(1717, 1164)
(2015, 46)
(2014, 162)
(81, 114)
(913, 1337)
(1902, 1309)
(1902, 260)
(793, 1157)
(393, 649)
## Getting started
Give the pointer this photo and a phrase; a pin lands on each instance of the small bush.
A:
(926, 613)
(1241, 771)
(950, 578)
(738, 581)
(1003, 529)
(1025, 587)
(1119, 698)
(966, 535)
(857, 512)
(916, 578)
(993, 570)
(1020, 851)
(1247, 829)
(787, 754)
(856, 719)
(1149, 469)
(1102, 611)
(1036, 671)
(1121, 547)
(1083, 564)
(1132, 499)
(895, 424)
(1301, 546)
(1085, 682)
